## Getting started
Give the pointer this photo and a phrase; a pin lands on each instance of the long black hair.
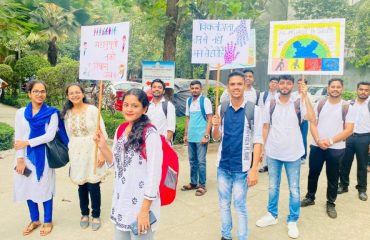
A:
(68, 104)
(135, 139)
(32, 83)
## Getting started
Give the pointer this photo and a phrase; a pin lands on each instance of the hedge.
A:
(6, 136)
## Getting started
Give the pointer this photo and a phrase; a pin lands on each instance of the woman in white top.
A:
(136, 199)
(36, 125)
(81, 121)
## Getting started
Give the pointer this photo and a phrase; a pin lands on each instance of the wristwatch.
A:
(206, 136)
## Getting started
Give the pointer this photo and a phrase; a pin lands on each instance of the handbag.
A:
(57, 152)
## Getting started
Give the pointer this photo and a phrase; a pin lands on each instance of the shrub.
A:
(10, 60)
(180, 129)
(6, 136)
(6, 72)
(212, 95)
(349, 95)
(112, 122)
(57, 78)
(28, 66)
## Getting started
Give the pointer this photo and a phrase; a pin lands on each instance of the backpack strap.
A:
(265, 95)
(249, 113)
(320, 106)
(121, 129)
(190, 99)
(224, 106)
(202, 108)
(297, 108)
(272, 108)
(345, 107)
(368, 105)
(165, 107)
(258, 93)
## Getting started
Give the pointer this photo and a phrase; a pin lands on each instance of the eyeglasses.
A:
(36, 92)
(74, 93)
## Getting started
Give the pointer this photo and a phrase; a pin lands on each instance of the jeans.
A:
(233, 184)
(34, 211)
(197, 158)
(293, 172)
(127, 235)
(83, 193)
(358, 145)
(316, 162)
(304, 131)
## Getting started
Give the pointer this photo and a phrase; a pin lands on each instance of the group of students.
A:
(135, 198)
(250, 126)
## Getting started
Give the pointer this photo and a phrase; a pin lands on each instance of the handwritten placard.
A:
(104, 52)
(314, 47)
(220, 41)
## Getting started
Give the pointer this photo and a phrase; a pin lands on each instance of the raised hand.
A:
(241, 32)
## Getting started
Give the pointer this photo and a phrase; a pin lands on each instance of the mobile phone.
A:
(27, 172)
(134, 228)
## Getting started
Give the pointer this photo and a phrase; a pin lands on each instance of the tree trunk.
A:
(169, 48)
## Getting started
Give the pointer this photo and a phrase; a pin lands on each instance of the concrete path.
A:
(189, 217)
(7, 114)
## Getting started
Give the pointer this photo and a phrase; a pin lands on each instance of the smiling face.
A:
(363, 91)
(335, 89)
(75, 94)
(235, 86)
(273, 85)
(249, 79)
(37, 94)
(285, 87)
(157, 89)
(132, 108)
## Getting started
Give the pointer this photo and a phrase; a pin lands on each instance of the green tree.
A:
(28, 66)
(313, 9)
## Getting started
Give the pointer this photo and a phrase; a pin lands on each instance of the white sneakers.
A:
(293, 231)
(269, 220)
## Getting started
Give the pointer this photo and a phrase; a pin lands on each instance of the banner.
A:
(104, 52)
(220, 41)
(250, 61)
(162, 70)
(312, 47)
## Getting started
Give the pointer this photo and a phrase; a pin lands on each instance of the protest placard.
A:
(164, 70)
(311, 47)
(104, 52)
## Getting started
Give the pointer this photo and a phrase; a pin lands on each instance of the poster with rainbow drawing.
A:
(309, 47)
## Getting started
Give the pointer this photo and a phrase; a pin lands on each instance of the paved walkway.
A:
(7, 114)
(189, 217)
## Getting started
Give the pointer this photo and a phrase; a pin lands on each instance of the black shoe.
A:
(362, 196)
(342, 189)
(264, 169)
(307, 202)
(330, 210)
(222, 238)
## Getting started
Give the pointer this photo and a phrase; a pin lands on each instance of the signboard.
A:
(156, 69)
(104, 52)
(220, 41)
(313, 47)
(250, 61)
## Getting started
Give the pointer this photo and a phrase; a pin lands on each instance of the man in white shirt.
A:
(266, 96)
(358, 143)
(250, 94)
(3, 84)
(161, 112)
(334, 123)
(284, 147)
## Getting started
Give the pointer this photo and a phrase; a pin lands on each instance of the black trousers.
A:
(332, 157)
(359, 145)
(95, 196)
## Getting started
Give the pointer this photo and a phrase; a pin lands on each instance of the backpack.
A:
(170, 167)
(201, 103)
(258, 93)
(345, 107)
(265, 95)
(165, 107)
(248, 110)
(353, 101)
(297, 108)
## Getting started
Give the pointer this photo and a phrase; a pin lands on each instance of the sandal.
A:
(32, 226)
(84, 222)
(46, 229)
(188, 187)
(95, 225)
(200, 191)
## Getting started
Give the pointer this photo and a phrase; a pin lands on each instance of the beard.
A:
(364, 97)
(285, 93)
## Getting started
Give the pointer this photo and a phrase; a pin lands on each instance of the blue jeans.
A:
(292, 170)
(197, 158)
(233, 184)
(304, 131)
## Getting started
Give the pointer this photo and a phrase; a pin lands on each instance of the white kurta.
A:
(81, 129)
(136, 179)
(29, 188)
